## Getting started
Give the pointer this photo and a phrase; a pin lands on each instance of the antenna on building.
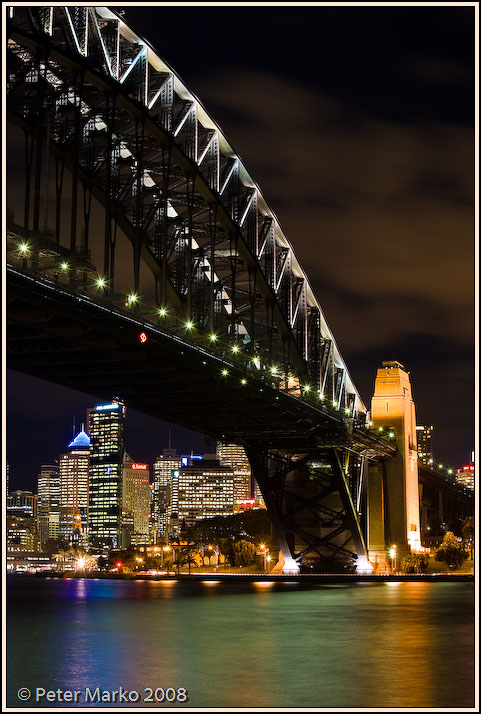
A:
(73, 428)
(170, 439)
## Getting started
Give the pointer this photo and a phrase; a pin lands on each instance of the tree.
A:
(451, 551)
(189, 559)
(240, 552)
(467, 530)
(414, 563)
(168, 565)
(63, 555)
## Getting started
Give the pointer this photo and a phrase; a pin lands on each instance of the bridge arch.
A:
(86, 90)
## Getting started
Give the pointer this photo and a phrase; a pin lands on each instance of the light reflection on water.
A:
(244, 644)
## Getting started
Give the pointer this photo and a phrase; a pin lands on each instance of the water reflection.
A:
(242, 644)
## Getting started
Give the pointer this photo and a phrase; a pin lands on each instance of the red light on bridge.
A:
(143, 337)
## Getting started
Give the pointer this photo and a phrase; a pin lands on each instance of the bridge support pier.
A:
(393, 489)
(311, 508)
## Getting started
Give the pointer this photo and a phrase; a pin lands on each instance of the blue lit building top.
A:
(81, 441)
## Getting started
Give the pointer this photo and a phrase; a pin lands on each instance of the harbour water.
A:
(241, 644)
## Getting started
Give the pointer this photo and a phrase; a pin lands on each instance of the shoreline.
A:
(268, 577)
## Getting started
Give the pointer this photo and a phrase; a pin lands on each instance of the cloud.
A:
(375, 209)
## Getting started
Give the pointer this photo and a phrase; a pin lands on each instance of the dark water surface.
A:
(236, 644)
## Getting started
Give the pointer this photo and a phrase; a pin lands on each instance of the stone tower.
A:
(393, 490)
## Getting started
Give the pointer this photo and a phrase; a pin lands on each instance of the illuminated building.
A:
(424, 443)
(204, 489)
(162, 503)
(22, 503)
(20, 532)
(48, 502)
(106, 429)
(74, 490)
(465, 476)
(393, 492)
(135, 500)
(234, 456)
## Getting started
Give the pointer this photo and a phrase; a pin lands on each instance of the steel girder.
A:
(311, 505)
(90, 93)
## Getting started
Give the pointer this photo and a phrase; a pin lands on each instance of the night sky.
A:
(357, 124)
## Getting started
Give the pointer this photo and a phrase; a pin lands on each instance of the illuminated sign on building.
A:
(101, 407)
(140, 467)
(143, 337)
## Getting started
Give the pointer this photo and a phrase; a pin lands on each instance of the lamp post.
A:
(265, 551)
(393, 554)
(268, 560)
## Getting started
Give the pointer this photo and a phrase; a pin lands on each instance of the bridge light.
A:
(64, 266)
(162, 312)
(235, 349)
(23, 248)
(430, 461)
(189, 325)
(440, 466)
(380, 429)
(213, 337)
(132, 299)
(225, 372)
(243, 381)
(306, 388)
(274, 370)
(450, 471)
(321, 396)
(369, 423)
(391, 435)
(347, 410)
(334, 403)
(100, 282)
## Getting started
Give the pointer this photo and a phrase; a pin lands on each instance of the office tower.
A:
(163, 504)
(204, 489)
(106, 430)
(465, 476)
(48, 502)
(74, 490)
(135, 499)
(21, 533)
(424, 443)
(234, 456)
(22, 503)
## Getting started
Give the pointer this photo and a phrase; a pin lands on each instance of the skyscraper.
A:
(162, 504)
(234, 456)
(48, 502)
(136, 496)
(74, 490)
(106, 429)
(424, 435)
(204, 489)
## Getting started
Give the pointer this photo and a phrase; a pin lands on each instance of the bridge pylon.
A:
(393, 490)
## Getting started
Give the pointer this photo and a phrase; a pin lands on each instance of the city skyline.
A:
(412, 113)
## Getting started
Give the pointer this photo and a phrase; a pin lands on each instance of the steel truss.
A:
(310, 504)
